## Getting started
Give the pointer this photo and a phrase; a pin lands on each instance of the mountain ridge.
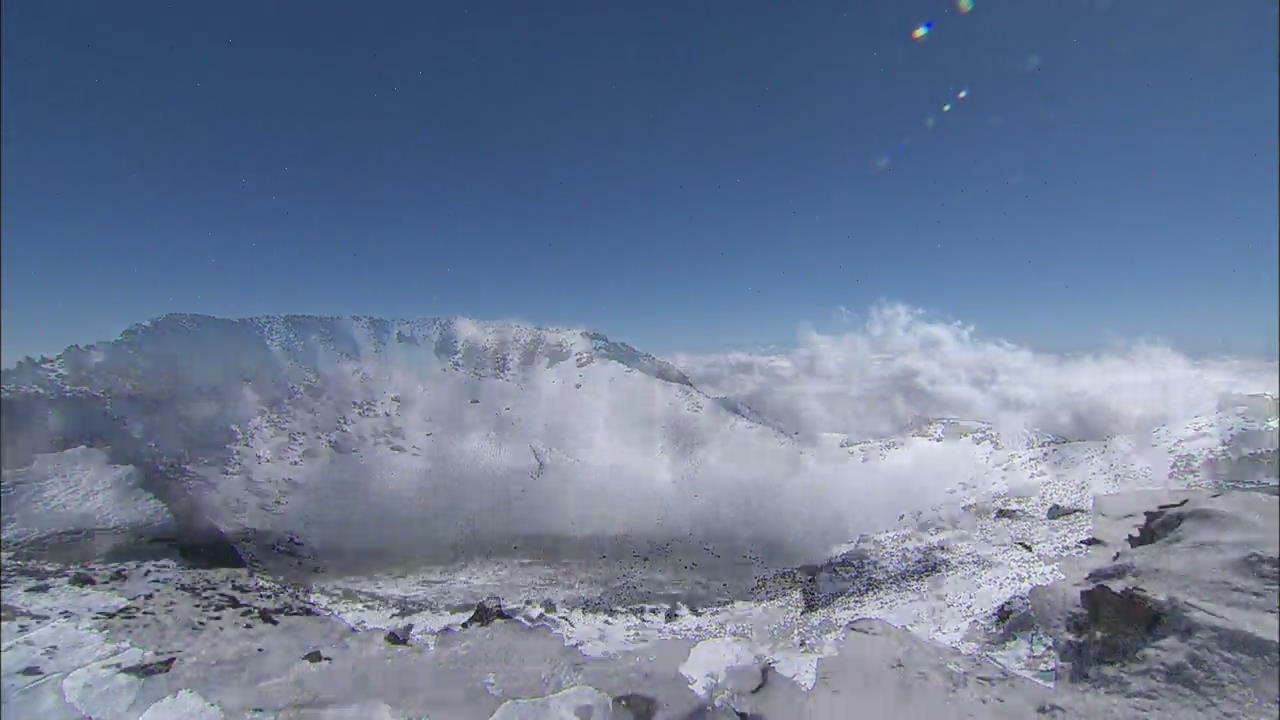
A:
(447, 334)
(357, 433)
(230, 420)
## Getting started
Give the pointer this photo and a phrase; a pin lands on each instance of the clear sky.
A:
(678, 175)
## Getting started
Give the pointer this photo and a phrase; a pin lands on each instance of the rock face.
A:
(1159, 523)
(853, 574)
(486, 612)
(400, 635)
(1182, 620)
(1113, 627)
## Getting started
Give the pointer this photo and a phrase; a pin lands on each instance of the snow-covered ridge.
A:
(263, 423)
(483, 348)
(314, 441)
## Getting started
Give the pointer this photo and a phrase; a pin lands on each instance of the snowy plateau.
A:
(309, 517)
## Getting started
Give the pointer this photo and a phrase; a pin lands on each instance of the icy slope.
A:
(77, 491)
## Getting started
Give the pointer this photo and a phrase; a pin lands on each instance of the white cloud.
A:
(871, 381)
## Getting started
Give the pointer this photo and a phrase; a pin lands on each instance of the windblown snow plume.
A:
(873, 382)
(365, 437)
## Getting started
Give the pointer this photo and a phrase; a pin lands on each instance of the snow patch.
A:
(77, 490)
(576, 703)
(710, 660)
(188, 705)
(100, 690)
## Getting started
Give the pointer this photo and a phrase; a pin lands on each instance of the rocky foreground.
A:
(1172, 613)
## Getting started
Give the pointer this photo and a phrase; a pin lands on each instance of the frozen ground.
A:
(1171, 612)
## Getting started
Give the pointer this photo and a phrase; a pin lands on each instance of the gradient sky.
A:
(678, 175)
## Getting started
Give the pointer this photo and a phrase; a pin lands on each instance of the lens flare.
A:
(946, 108)
(921, 31)
(962, 94)
(964, 6)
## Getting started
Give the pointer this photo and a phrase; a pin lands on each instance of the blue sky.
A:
(679, 175)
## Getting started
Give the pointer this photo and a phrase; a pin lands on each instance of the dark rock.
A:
(641, 707)
(1009, 608)
(314, 657)
(1110, 572)
(31, 670)
(1056, 511)
(149, 669)
(1158, 525)
(1091, 541)
(1008, 513)
(82, 579)
(1047, 708)
(400, 635)
(1113, 628)
(119, 575)
(852, 574)
(486, 612)
(265, 616)
(1024, 546)
(39, 588)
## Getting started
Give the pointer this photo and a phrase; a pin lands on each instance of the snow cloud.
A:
(361, 435)
(873, 380)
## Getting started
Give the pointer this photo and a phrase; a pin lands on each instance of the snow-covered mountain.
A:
(410, 469)
(448, 437)
(360, 433)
